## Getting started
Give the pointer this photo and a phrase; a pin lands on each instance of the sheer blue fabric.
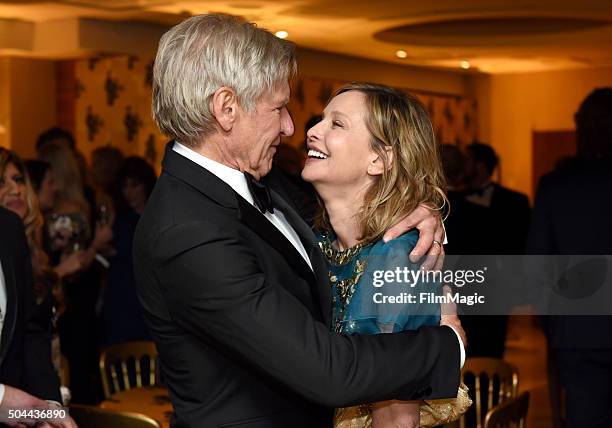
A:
(361, 278)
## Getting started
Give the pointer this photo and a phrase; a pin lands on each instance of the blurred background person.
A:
(581, 346)
(122, 314)
(105, 164)
(503, 220)
(509, 210)
(68, 230)
(62, 137)
(27, 378)
(17, 194)
(466, 223)
(43, 183)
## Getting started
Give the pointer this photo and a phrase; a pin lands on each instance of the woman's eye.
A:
(19, 179)
(337, 123)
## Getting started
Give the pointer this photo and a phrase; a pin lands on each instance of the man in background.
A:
(581, 345)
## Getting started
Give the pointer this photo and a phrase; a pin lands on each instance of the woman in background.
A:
(17, 194)
(68, 231)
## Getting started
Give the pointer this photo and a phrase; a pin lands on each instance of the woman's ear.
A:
(376, 166)
(223, 106)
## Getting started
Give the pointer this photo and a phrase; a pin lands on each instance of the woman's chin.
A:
(308, 174)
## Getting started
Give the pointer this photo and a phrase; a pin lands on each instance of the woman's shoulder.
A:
(404, 243)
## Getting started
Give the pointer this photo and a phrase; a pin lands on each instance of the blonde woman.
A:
(18, 195)
(372, 159)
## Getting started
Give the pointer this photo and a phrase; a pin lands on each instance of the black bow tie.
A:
(261, 194)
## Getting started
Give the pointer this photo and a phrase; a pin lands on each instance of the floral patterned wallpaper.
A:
(112, 106)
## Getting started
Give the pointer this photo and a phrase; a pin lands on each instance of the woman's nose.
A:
(313, 133)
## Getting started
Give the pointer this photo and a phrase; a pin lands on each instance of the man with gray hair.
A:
(233, 285)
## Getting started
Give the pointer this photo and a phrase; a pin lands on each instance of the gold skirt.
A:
(433, 412)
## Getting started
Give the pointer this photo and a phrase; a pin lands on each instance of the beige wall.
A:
(28, 104)
(5, 97)
(512, 106)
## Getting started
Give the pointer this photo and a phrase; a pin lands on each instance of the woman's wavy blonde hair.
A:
(33, 219)
(402, 135)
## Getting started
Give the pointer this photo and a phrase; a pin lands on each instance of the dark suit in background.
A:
(572, 216)
(510, 213)
(25, 347)
(499, 226)
(242, 323)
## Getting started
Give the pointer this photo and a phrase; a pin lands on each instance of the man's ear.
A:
(223, 106)
(376, 166)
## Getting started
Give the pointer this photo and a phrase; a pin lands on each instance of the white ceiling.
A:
(494, 36)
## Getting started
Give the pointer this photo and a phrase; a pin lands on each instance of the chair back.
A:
(511, 413)
(494, 381)
(94, 417)
(128, 365)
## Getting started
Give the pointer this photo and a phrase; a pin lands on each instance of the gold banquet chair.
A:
(94, 417)
(120, 364)
(511, 413)
(501, 380)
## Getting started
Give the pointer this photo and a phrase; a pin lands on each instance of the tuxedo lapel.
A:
(319, 265)
(11, 305)
(257, 222)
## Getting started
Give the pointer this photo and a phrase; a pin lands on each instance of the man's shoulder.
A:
(11, 228)
(178, 216)
(9, 219)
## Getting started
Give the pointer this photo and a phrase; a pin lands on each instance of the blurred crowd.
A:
(79, 222)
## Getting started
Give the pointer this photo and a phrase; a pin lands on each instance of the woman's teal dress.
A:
(357, 300)
(357, 308)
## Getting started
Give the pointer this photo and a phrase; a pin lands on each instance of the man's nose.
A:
(287, 128)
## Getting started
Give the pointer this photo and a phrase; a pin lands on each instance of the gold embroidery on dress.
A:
(346, 287)
(346, 290)
(338, 257)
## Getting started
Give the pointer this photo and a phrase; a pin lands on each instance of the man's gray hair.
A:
(204, 53)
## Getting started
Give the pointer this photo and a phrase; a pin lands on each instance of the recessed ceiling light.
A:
(401, 54)
(282, 34)
(465, 65)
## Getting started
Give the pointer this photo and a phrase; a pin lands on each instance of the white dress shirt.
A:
(237, 181)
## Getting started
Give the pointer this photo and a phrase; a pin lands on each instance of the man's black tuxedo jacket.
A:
(25, 347)
(242, 324)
